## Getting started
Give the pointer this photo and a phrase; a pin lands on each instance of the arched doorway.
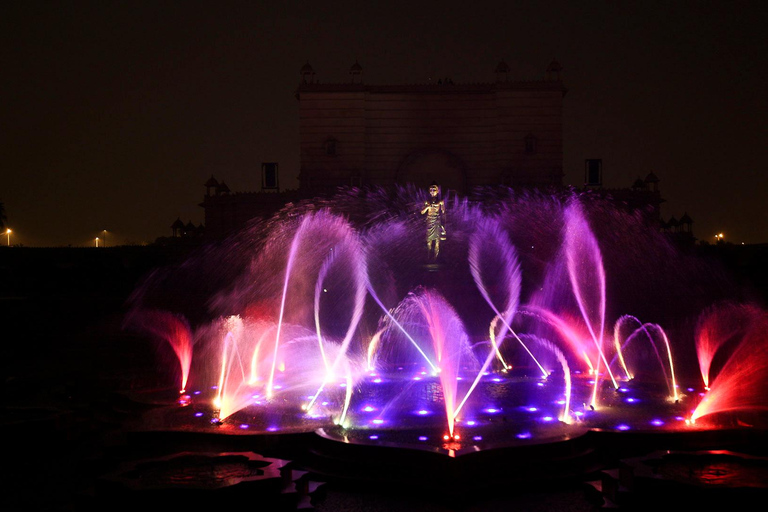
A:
(422, 167)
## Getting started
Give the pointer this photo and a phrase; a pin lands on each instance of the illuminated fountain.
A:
(328, 317)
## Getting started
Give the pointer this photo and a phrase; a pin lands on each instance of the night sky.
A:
(115, 113)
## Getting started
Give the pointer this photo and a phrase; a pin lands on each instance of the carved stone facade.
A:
(461, 135)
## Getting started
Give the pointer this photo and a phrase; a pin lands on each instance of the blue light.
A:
(471, 423)
(624, 390)
(369, 408)
(547, 418)
(198, 414)
(373, 437)
(422, 438)
(377, 421)
(244, 426)
(377, 380)
(632, 400)
(272, 429)
(532, 409)
(496, 379)
(540, 384)
(523, 435)
(492, 410)
(423, 412)
(622, 427)
(196, 393)
(657, 423)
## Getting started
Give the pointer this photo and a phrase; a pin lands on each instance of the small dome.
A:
(554, 67)
(685, 219)
(211, 182)
(651, 178)
(223, 188)
(356, 69)
(178, 224)
(638, 183)
(672, 222)
(306, 69)
(190, 226)
(502, 67)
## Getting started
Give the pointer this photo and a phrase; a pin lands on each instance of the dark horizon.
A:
(116, 114)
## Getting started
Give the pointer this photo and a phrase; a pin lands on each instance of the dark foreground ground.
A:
(67, 367)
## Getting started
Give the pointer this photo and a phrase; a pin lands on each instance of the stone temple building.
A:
(461, 135)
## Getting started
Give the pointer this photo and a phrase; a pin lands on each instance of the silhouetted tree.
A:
(3, 217)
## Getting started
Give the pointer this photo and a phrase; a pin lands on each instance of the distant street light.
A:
(719, 237)
(8, 232)
(105, 238)
(97, 241)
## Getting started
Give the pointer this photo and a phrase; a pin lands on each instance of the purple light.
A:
(491, 410)
(324, 403)
(377, 381)
(657, 423)
(368, 408)
(198, 414)
(624, 390)
(679, 418)
(632, 400)
(423, 412)
(272, 429)
(214, 387)
(244, 426)
(691, 390)
(496, 379)
(417, 378)
(378, 421)
(373, 437)
(342, 385)
(577, 372)
(540, 384)
(547, 418)
(579, 413)
(277, 386)
(622, 427)
(531, 409)
(422, 438)
(196, 393)
(523, 435)
(477, 438)
(471, 423)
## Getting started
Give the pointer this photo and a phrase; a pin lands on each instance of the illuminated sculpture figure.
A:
(435, 210)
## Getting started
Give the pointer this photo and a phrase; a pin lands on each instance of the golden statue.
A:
(435, 210)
